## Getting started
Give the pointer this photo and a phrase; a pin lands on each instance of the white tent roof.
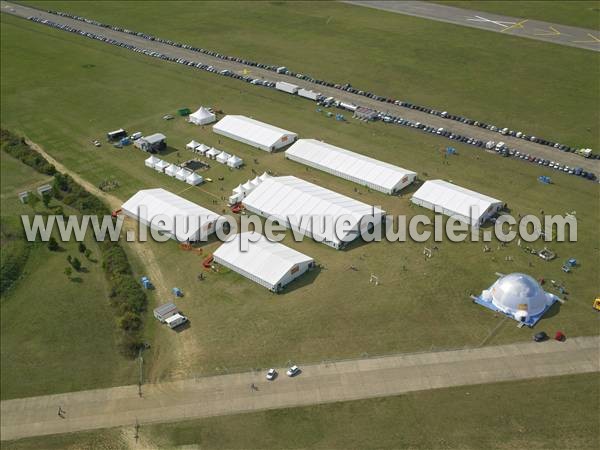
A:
(182, 174)
(161, 165)
(223, 157)
(202, 148)
(264, 176)
(289, 199)
(453, 200)
(352, 166)
(202, 115)
(150, 162)
(239, 189)
(268, 261)
(159, 201)
(252, 131)
(213, 152)
(172, 170)
(234, 160)
(192, 144)
(194, 179)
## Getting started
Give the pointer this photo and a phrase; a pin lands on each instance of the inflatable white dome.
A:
(518, 295)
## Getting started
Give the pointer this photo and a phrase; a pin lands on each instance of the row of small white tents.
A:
(212, 153)
(173, 170)
(242, 190)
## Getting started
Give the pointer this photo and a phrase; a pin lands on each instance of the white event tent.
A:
(254, 133)
(270, 264)
(187, 221)
(465, 205)
(202, 116)
(361, 169)
(303, 207)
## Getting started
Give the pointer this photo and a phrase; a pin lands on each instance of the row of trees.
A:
(126, 295)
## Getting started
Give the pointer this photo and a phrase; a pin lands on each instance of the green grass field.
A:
(57, 335)
(584, 14)
(510, 81)
(549, 413)
(87, 88)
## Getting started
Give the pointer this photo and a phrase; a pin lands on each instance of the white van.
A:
(176, 320)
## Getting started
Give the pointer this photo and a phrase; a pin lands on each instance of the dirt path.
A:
(185, 346)
(316, 384)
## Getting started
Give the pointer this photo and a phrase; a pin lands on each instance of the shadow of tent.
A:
(553, 311)
(303, 280)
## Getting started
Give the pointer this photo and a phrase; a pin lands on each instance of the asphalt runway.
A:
(524, 146)
(316, 384)
(515, 26)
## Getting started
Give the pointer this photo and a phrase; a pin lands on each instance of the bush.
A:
(81, 247)
(52, 244)
(130, 322)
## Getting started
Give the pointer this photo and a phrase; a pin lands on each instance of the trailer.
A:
(286, 87)
(116, 135)
(163, 312)
(306, 93)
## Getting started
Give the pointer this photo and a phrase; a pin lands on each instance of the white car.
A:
(271, 374)
(292, 371)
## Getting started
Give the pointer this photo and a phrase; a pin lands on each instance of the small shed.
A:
(44, 189)
(24, 196)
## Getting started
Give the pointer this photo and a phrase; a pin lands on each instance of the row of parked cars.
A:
(344, 87)
(504, 151)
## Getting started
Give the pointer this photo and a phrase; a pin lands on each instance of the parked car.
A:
(293, 371)
(540, 337)
(271, 374)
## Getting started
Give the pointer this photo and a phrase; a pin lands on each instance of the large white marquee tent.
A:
(361, 169)
(451, 200)
(188, 221)
(293, 202)
(270, 264)
(202, 116)
(254, 133)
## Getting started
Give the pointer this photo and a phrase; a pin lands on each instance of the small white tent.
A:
(194, 179)
(264, 176)
(161, 165)
(202, 116)
(202, 149)
(192, 145)
(150, 162)
(223, 157)
(212, 153)
(172, 170)
(182, 174)
(235, 162)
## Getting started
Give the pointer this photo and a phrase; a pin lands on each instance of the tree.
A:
(33, 200)
(52, 244)
(69, 259)
(88, 253)
(81, 247)
(68, 272)
(76, 264)
(46, 199)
